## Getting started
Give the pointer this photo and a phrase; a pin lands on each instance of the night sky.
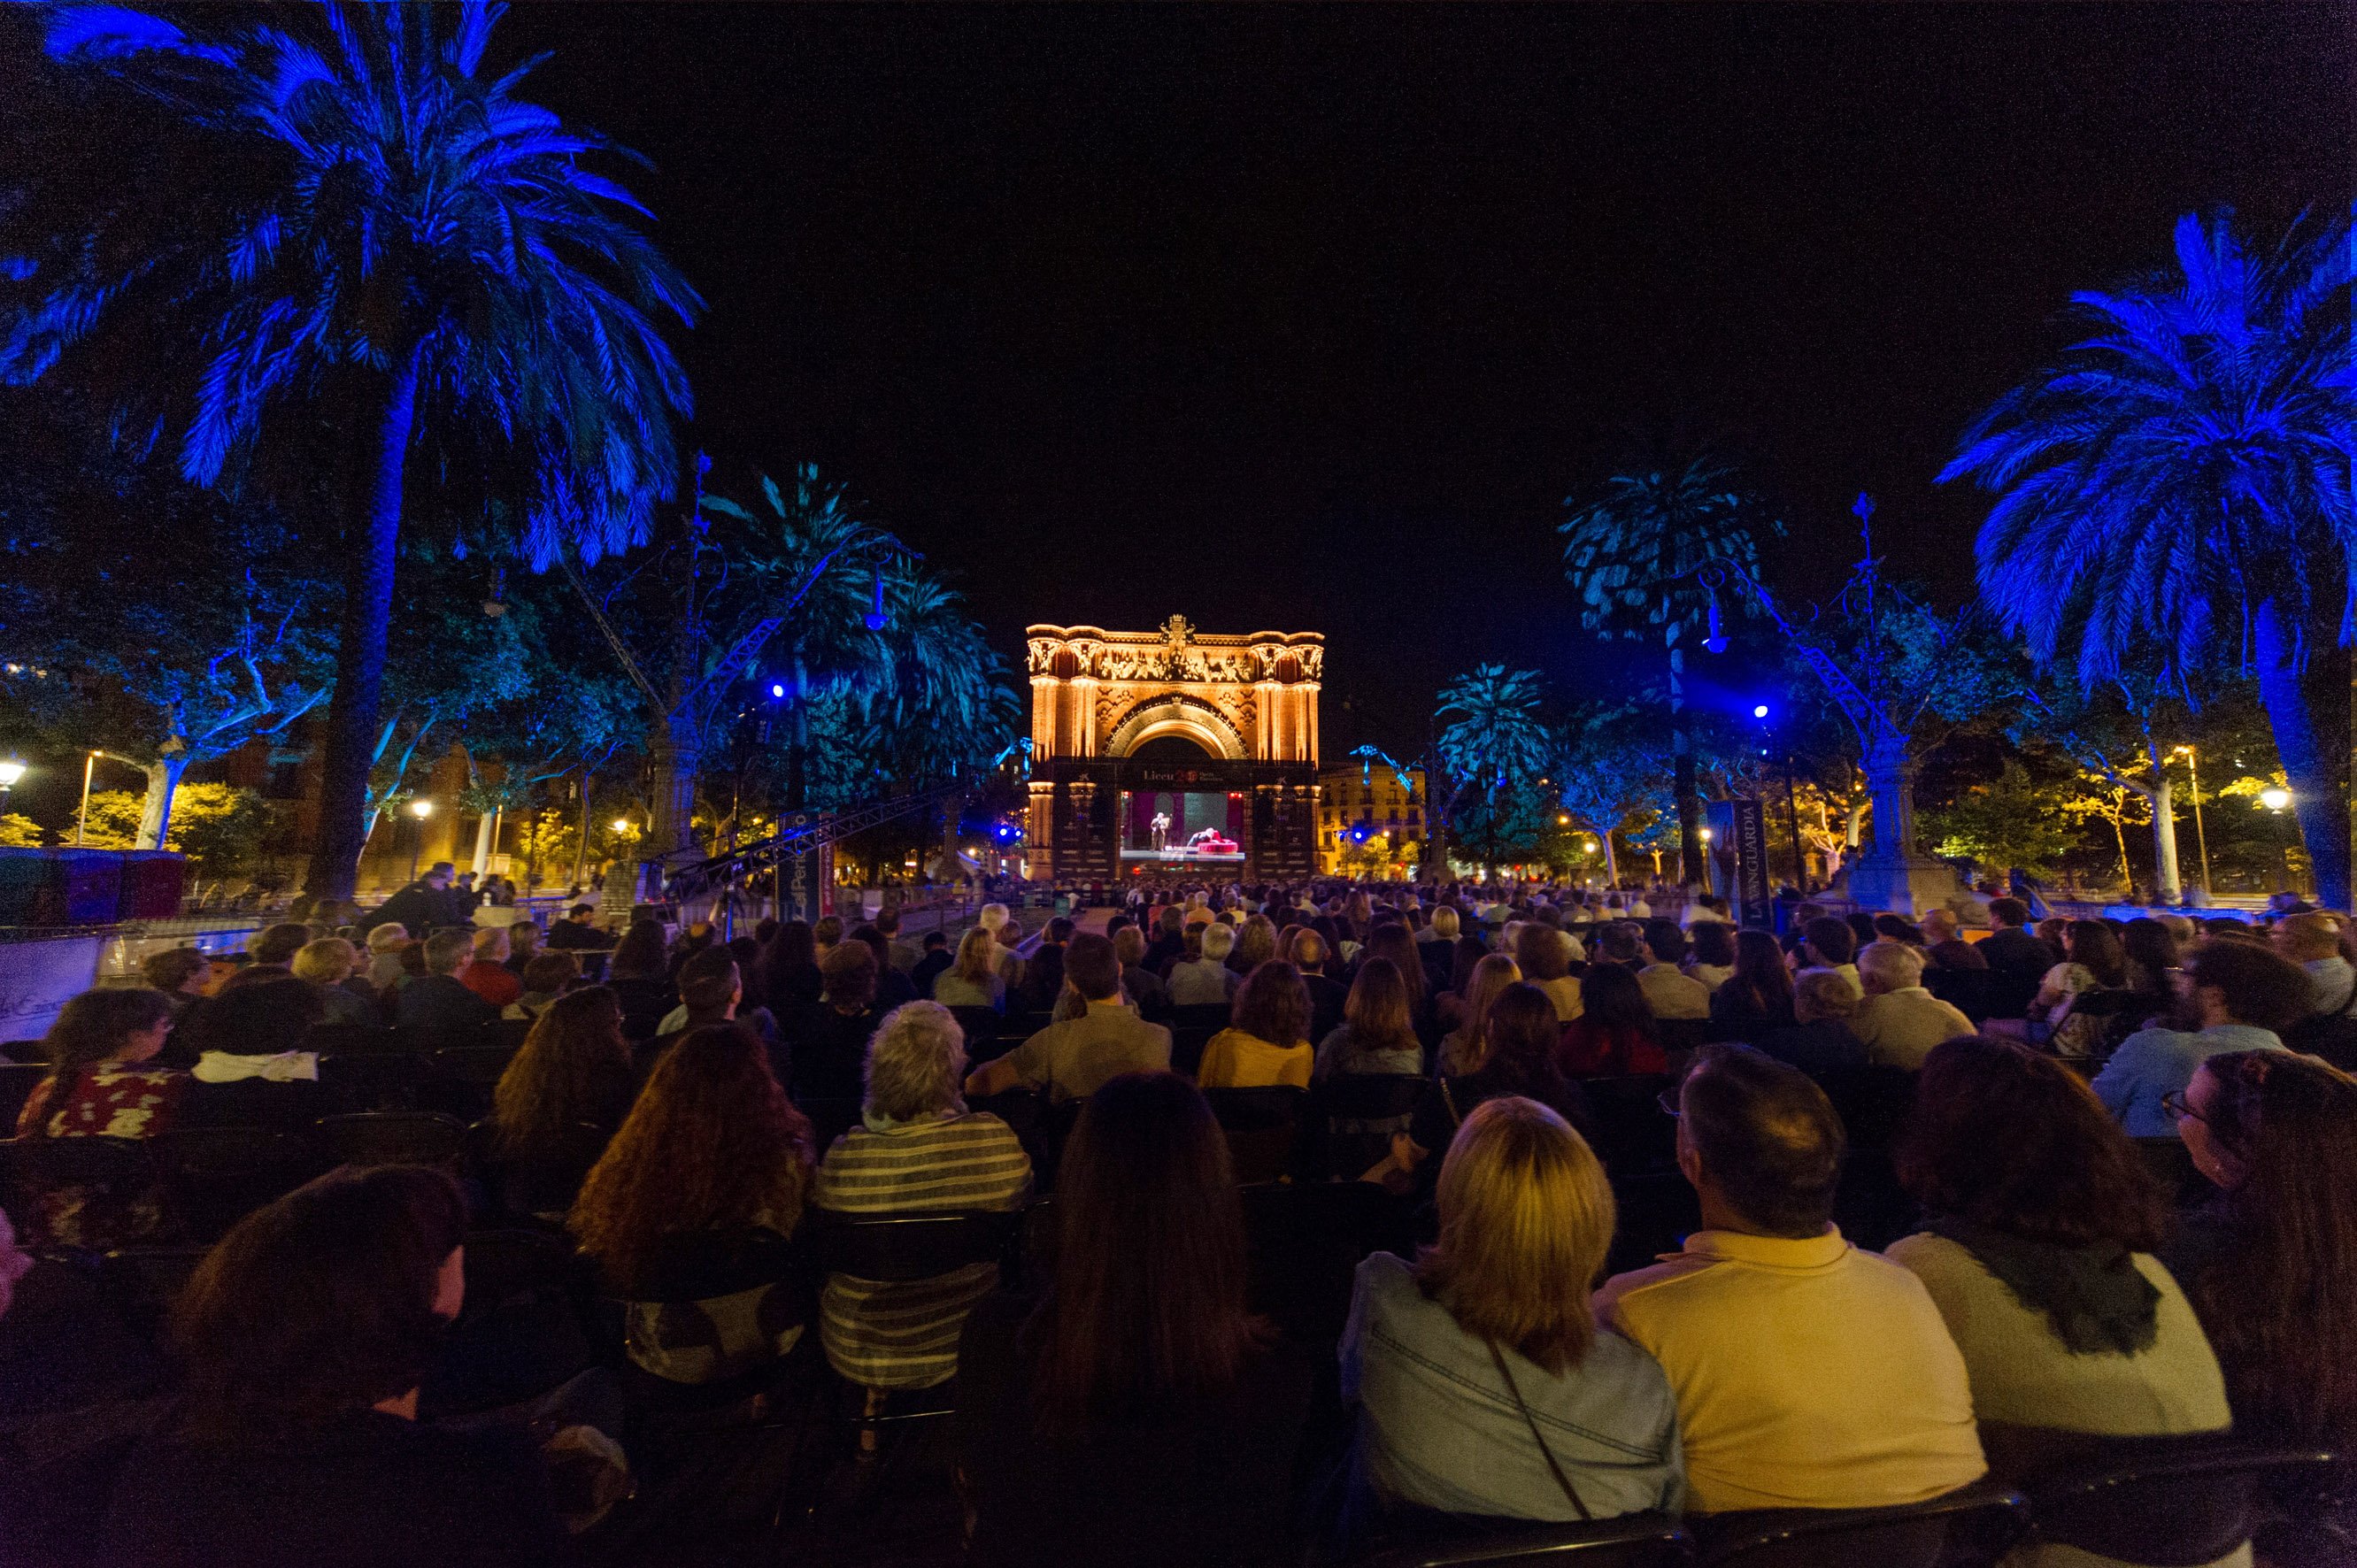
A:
(1308, 318)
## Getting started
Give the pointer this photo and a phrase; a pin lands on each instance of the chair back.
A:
(1208, 1017)
(1677, 1034)
(502, 1265)
(898, 1247)
(1973, 1527)
(215, 1177)
(829, 1120)
(508, 1033)
(32, 1166)
(981, 1027)
(2169, 1502)
(1631, 1541)
(374, 1080)
(700, 1265)
(352, 1039)
(1372, 1096)
(1187, 1044)
(17, 1081)
(1304, 1243)
(391, 1138)
(21, 1051)
(1262, 1126)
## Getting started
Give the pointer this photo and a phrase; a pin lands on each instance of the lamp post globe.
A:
(2275, 800)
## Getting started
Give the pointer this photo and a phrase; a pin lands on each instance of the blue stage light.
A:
(1761, 711)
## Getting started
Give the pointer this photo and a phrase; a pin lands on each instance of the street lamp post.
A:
(89, 762)
(10, 771)
(420, 809)
(2202, 839)
(2276, 800)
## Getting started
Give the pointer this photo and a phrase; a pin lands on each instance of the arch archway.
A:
(1190, 718)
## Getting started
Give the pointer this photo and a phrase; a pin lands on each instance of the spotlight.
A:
(776, 689)
(1759, 711)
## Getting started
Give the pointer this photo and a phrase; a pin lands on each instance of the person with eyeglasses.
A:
(2270, 1264)
(2240, 996)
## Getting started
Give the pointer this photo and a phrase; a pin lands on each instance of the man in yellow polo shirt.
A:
(1808, 1374)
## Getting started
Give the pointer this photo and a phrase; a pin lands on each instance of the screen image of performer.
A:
(1161, 826)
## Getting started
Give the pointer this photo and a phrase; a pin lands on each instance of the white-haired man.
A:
(917, 1148)
(1899, 1021)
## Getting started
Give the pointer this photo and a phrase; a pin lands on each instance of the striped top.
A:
(906, 1335)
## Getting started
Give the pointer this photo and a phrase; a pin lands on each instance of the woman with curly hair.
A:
(712, 1149)
(102, 1083)
(564, 1093)
(1266, 1042)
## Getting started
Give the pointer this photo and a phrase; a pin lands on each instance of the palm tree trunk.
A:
(2309, 710)
(360, 655)
(1689, 798)
(2168, 883)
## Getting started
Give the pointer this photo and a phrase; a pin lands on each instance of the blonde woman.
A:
(1464, 1050)
(1463, 1364)
(973, 980)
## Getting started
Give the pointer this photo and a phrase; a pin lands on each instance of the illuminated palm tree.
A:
(1635, 550)
(424, 251)
(2177, 490)
(1492, 742)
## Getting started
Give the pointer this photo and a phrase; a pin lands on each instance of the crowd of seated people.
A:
(1127, 1396)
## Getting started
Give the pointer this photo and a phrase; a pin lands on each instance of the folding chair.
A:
(1304, 1243)
(391, 1138)
(215, 1177)
(1632, 1541)
(981, 1027)
(1973, 1527)
(374, 1080)
(29, 1167)
(352, 1040)
(1346, 1151)
(1262, 1125)
(464, 1076)
(2169, 1502)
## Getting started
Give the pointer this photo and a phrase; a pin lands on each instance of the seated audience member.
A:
(523, 946)
(573, 931)
(1819, 1038)
(892, 987)
(324, 966)
(1256, 945)
(1068, 1059)
(918, 1147)
(487, 975)
(1004, 930)
(1205, 979)
(1451, 1005)
(179, 975)
(252, 1067)
(1136, 1414)
(1613, 1035)
(974, 981)
(2241, 996)
(439, 1002)
(1943, 943)
(1670, 991)
(1900, 1022)
(712, 991)
(1376, 1035)
(1463, 1048)
(1522, 1040)
(2041, 1222)
(712, 1148)
(1140, 985)
(1757, 999)
(100, 1085)
(385, 943)
(1266, 1042)
(548, 976)
(1830, 944)
(1712, 956)
(825, 1046)
(1543, 954)
(2271, 1265)
(787, 974)
(2093, 961)
(1442, 1356)
(1397, 943)
(2156, 966)
(1168, 942)
(638, 974)
(2312, 941)
(1043, 971)
(305, 1335)
(932, 965)
(277, 945)
(1809, 1374)
(2010, 948)
(1310, 953)
(564, 1093)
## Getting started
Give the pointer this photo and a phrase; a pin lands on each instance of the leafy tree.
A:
(221, 828)
(1611, 777)
(2008, 821)
(1635, 549)
(2182, 476)
(414, 244)
(18, 831)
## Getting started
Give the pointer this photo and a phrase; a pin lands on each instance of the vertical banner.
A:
(1755, 901)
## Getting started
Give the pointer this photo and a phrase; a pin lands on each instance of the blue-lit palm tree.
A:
(1635, 549)
(423, 254)
(2176, 490)
(1492, 741)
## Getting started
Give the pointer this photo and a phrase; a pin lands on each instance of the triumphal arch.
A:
(1173, 752)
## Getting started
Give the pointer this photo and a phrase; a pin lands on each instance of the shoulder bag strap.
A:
(1498, 1360)
(1449, 1100)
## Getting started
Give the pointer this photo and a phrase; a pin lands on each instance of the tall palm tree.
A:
(2181, 477)
(423, 249)
(1491, 739)
(1635, 549)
